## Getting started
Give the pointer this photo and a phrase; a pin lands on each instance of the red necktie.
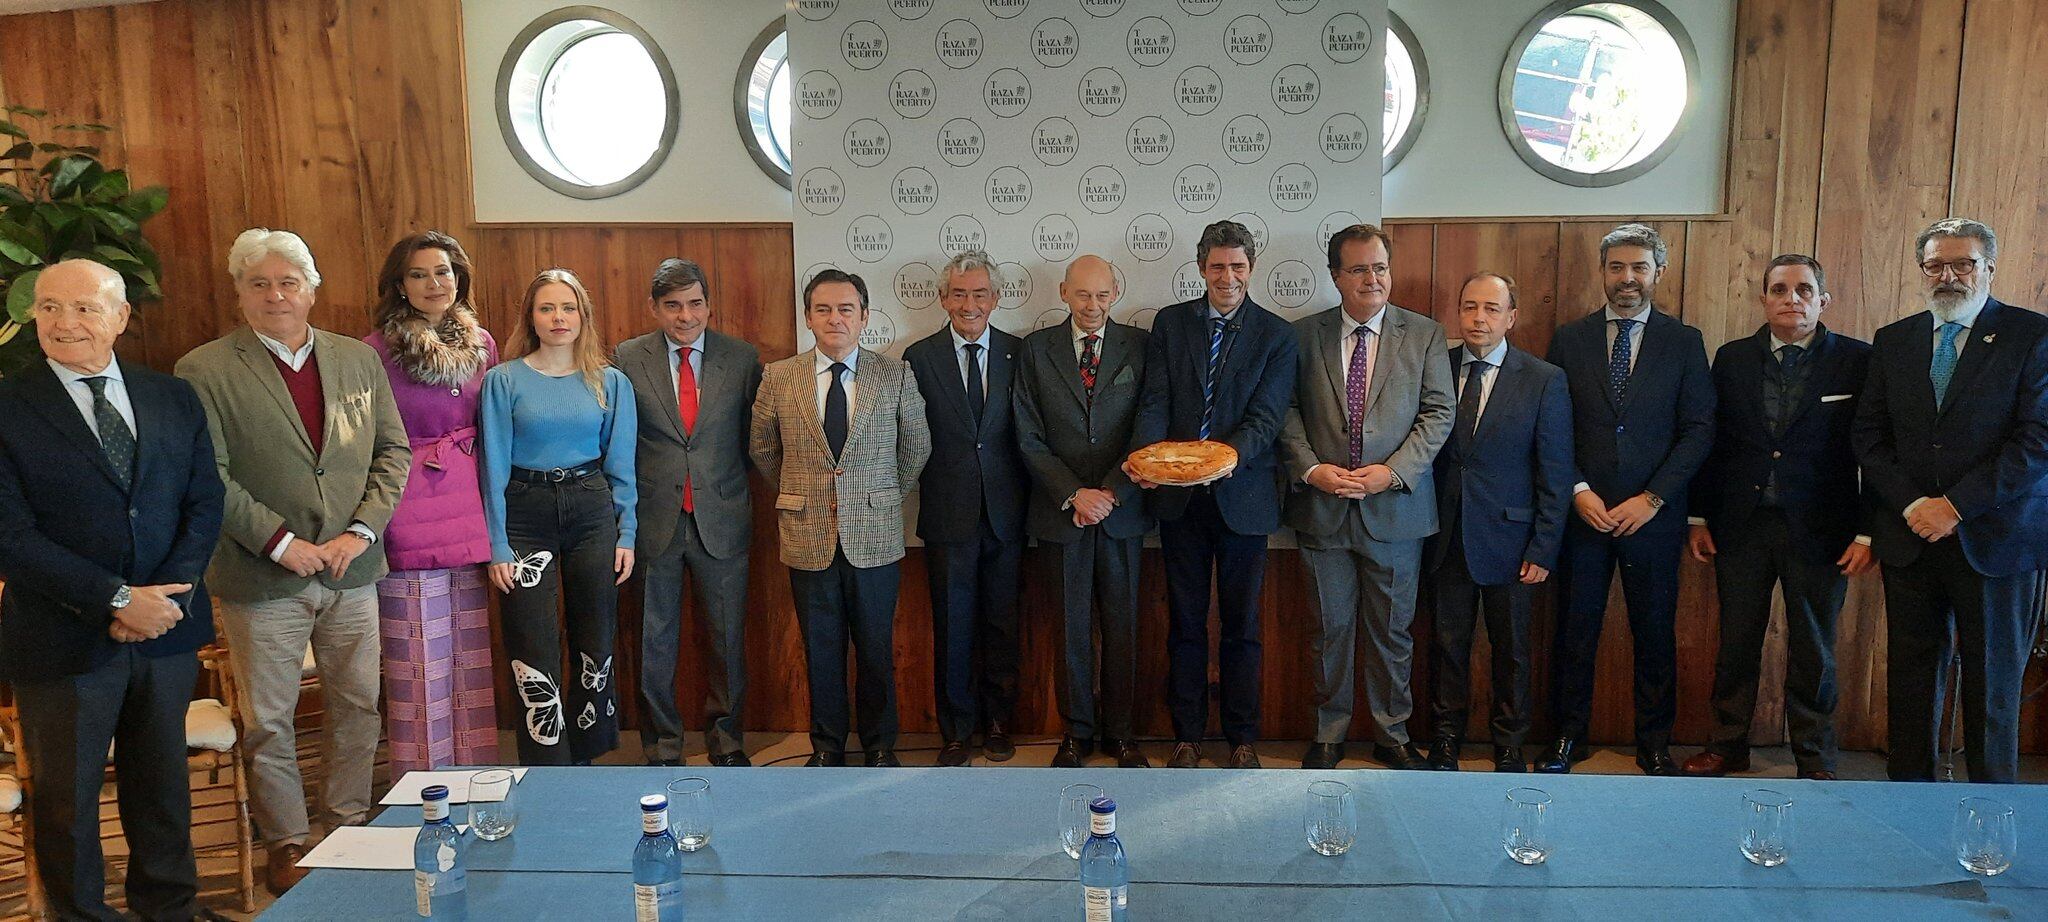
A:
(686, 407)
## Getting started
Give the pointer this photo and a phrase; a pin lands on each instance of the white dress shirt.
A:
(1080, 335)
(960, 345)
(81, 393)
(1492, 360)
(825, 382)
(295, 359)
(1635, 333)
(675, 379)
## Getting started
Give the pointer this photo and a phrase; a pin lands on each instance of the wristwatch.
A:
(121, 598)
(1656, 502)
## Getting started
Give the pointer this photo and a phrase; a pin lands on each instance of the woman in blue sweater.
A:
(558, 435)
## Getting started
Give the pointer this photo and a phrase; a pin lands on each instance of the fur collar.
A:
(447, 355)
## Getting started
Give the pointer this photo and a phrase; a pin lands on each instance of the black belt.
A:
(557, 474)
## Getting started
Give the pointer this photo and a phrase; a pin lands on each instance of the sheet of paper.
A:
(366, 848)
(408, 788)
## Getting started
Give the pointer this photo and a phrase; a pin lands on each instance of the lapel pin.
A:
(1990, 336)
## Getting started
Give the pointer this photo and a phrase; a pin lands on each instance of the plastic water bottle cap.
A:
(434, 792)
(653, 802)
(1102, 805)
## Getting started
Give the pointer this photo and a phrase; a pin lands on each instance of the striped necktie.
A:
(1216, 325)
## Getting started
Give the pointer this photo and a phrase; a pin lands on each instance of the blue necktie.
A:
(119, 443)
(835, 410)
(1617, 362)
(1944, 369)
(1209, 382)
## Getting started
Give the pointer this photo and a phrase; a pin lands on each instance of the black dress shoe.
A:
(1244, 756)
(1443, 754)
(826, 760)
(1128, 755)
(954, 753)
(1404, 757)
(1509, 759)
(1323, 755)
(1559, 758)
(883, 758)
(731, 759)
(1069, 755)
(995, 744)
(651, 761)
(1656, 761)
(1185, 755)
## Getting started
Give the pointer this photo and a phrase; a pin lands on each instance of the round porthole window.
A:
(587, 102)
(761, 101)
(1407, 84)
(1594, 94)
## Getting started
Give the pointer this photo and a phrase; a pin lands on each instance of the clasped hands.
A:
(150, 612)
(1091, 506)
(304, 558)
(1934, 518)
(1623, 519)
(1357, 483)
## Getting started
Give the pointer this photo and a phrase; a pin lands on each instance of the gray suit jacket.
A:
(856, 502)
(712, 457)
(273, 478)
(1069, 442)
(1410, 406)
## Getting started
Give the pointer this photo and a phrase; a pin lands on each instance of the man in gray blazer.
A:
(1372, 405)
(1077, 399)
(695, 389)
(839, 432)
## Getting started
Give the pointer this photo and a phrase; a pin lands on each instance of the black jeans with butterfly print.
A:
(568, 712)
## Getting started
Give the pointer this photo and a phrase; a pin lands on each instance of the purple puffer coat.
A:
(440, 518)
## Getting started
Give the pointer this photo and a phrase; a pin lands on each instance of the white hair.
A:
(970, 260)
(257, 244)
(113, 288)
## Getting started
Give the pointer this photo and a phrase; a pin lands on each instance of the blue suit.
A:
(1985, 449)
(1217, 531)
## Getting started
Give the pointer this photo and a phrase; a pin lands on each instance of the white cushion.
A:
(10, 794)
(209, 725)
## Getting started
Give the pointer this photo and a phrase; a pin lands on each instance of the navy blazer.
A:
(1656, 437)
(70, 535)
(1986, 449)
(1813, 459)
(1509, 490)
(973, 473)
(1254, 389)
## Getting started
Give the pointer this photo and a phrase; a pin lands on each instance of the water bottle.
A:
(1105, 873)
(657, 866)
(440, 887)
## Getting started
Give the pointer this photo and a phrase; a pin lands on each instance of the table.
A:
(981, 843)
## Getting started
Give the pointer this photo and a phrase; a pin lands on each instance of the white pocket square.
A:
(1831, 398)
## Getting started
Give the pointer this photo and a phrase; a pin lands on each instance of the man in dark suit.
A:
(1776, 504)
(970, 511)
(695, 392)
(1222, 368)
(1077, 401)
(1504, 484)
(110, 505)
(1642, 420)
(1950, 437)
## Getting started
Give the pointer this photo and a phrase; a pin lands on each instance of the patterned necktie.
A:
(1209, 382)
(1090, 361)
(977, 396)
(1618, 361)
(1357, 380)
(1789, 356)
(686, 407)
(115, 439)
(1944, 369)
(835, 410)
(1468, 402)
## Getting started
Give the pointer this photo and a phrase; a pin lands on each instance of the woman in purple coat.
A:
(435, 623)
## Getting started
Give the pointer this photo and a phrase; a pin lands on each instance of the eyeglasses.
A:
(1359, 272)
(1963, 268)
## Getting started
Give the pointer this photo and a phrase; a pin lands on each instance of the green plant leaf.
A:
(11, 129)
(114, 256)
(144, 204)
(114, 220)
(18, 151)
(50, 147)
(21, 296)
(20, 254)
(82, 126)
(11, 196)
(29, 111)
(111, 187)
(67, 173)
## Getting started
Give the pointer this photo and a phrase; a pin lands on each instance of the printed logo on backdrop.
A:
(1102, 91)
(1150, 140)
(1295, 89)
(1293, 187)
(914, 190)
(1007, 9)
(1198, 90)
(867, 142)
(1049, 317)
(1188, 283)
(812, 272)
(820, 191)
(1246, 139)
(1007, 92)
(817, 94)
(1121, 288)
(910, 9)
(1142, 317)
(1016, 286)
(1197, 188)
(816, 10)
(1055, 43)
(1008, 190)
(1054, 141)
(961, 142)
(864, 45)
(869, 239)
(880, 331)
(1149, 237)
(1102, 189)
(1256, 225)
(917, 285)
(913, 94)
(1332, 223)
(1102, 8)
(1346, 38)
(1291, 284)
(1199, 7)
(1150, 41)
(958, 44)
(1056, 238)
(961, 233)
(1344, 137)
(1248, 39)
(1298, 6)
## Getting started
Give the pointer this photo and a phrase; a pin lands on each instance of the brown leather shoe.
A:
(284, 870)
(1714, 765)
(1818, 774)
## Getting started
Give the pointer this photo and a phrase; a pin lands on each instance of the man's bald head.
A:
(1089, 289)
(81, 307)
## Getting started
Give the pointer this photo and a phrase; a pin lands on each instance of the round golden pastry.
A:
(1184, 464)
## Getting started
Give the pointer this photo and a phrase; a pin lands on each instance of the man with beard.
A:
(1950, 435)
(1642, 423)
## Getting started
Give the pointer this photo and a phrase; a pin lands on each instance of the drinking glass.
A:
(1521, 825)
(1766, 827)
(1074, 817)
(493, 804)
(1330, 818)
(1985, 836)
(689, 812)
